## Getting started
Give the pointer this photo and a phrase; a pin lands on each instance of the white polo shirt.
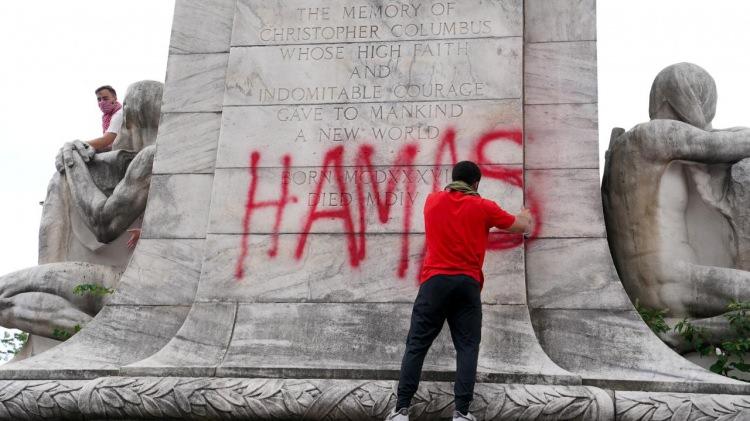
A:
(116, 123)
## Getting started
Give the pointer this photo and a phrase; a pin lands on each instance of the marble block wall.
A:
(581, 314)
(331, 137)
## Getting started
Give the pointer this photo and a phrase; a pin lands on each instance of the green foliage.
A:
(92, 289)
(64, 335)
(61, 334)
(653, 318)
(697, 337)
(739, 318)
(11, 343)
(731, 356)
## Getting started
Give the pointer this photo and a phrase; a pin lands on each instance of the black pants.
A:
(455, 298)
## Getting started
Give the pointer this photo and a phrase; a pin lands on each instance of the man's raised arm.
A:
(522, 222)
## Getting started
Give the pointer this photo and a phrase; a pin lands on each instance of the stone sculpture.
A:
(675, 202)
(90, 203)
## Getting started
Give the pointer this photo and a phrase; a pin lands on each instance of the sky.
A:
(56, 53)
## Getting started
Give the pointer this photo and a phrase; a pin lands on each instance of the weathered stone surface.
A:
(324, 274)
(313, 399)
(476, 69)
(197, 348)
(560, 73)
(231, 191)
(561, 136)
(41, 300)
(178, 206)
(161, 272)
(195, 83)
(306, 132)
(560, 20)
(341, 341)
(615, 349)
(201, 26)
(116, 337)
(573, 274)
(651, 406)
(187, 143)
(270, 23)
(569, 202)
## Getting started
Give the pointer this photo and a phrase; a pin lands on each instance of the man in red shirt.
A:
(457, 222)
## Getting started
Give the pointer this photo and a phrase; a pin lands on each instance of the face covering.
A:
(108, 107)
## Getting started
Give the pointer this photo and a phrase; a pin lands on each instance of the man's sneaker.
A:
(401, 415)
(457, 416)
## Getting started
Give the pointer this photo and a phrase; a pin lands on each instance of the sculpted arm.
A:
(109, 216)
(674, 140)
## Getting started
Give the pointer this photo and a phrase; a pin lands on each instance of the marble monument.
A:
(282, 234)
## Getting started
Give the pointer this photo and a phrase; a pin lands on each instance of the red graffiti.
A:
(512, 176)
(333, 163)
(251, 205)
(334, 158)
(405, 158)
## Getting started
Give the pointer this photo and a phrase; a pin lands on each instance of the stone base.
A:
(303, 399)
(315, 399)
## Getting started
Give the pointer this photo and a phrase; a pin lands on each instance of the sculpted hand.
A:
(67, 155)
(86, 151)
(59, 162)
(82, 148)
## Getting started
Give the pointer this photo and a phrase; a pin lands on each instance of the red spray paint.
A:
(251, 205)
(333, 158)
(405, 158)
(356, 236)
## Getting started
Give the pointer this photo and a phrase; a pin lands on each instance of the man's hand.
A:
(82, 148)
(523, 222)
(135, 235)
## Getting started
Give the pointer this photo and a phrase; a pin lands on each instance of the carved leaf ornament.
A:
(643, 406)
(263, 399)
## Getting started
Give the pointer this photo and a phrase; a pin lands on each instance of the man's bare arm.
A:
(103, 143)
(522, 222)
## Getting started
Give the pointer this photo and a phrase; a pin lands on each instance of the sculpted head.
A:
(142, 108)
(684, 92)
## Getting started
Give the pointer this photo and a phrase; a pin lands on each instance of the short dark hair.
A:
(466, 171)
(107, 87)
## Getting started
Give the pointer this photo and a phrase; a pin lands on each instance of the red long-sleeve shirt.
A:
(456, 227)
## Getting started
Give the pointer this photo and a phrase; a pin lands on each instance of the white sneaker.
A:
(402, 415)
(457, 416)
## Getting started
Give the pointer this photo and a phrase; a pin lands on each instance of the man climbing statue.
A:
(457, 223)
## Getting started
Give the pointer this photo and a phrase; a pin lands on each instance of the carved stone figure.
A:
(91, 202)
(675, 202)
